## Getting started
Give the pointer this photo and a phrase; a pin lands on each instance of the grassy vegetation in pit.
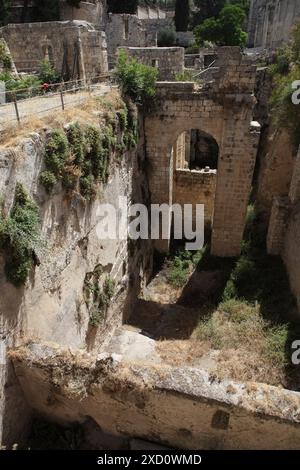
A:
(250, 319)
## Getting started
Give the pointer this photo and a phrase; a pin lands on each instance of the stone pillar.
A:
(277, 225)
(160, 182)
(179, 152)
(234, 178)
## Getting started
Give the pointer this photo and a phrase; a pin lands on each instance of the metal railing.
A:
(40, 99)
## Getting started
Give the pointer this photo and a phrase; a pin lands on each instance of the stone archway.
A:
(195, 162)
(227, 117)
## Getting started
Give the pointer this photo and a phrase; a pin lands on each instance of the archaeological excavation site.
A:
(149, 225)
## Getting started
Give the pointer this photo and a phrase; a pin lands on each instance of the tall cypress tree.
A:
(182, 15)
(122, 6)
(4, 11)
(46, 10)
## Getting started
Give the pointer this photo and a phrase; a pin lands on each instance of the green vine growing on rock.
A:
(285, 71)
(20, 237)
(80, 156)
(97, 297)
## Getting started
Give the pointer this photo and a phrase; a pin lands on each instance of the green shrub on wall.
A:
(286, 71)
(166, 38)
(4, 57)
(80, 156)
(20, 236)
(137, 80)
(101, 301)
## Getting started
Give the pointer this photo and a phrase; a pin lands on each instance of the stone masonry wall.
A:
(196, 187)
(168, 60)
(131, 31)
(178, 407)
(277, 225)
(93, 11)
(271, 22)
(277, 157)
(224, 111)
(291, 248)
(31, 42)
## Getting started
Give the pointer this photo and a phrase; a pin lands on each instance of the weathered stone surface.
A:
(271, 21)
(65, 43)
(168, 60)
(52, 305)
(148, 402)
(222, 109)
(132, 30)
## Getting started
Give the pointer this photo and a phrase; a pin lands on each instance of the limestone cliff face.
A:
(277, 156)
(271, 21)
(54, 304)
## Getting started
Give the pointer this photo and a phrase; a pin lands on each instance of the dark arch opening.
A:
(204, 151)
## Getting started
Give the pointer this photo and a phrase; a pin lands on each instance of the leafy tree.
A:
(212, 8)
(182, 15)
(226, 30)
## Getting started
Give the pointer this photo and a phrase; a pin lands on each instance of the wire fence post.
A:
(62, 99)
(16, 107)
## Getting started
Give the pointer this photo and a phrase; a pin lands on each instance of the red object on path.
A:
(45, 86)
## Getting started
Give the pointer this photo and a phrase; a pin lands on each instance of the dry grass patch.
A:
(87, 113)
(252, 348)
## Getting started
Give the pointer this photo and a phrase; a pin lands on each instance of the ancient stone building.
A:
(168, 60)
(223, 110)
(76, 49)
(93, 11)
(271, 21)
(133, 31)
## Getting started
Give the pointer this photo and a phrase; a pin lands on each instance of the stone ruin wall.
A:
(168, 60)
(130, 31)
(278, 197)
(32, 42)
(196, 187)
(284, 229)
(92, 11)
(177, 407)
(277, 156)
(271, 21)
(223, 110)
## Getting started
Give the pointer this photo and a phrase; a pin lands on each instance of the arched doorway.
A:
(195, 161)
